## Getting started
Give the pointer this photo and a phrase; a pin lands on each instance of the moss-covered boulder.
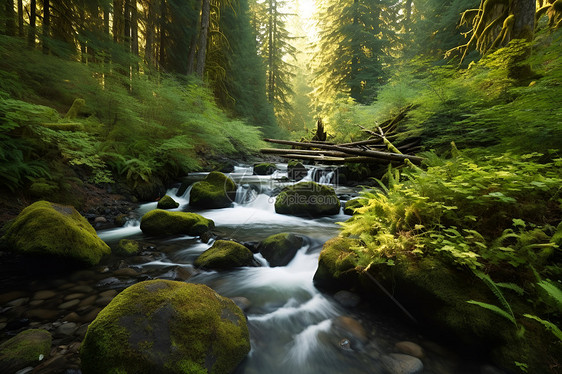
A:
(160, 222)
(351, 205)
(128, 247)
(215, 191)
(28, 348)
(165, 326)
(296, 170)
(335, 265)
(279, 249)
(50, 229)
(264, 168)
(307, 199)
(223, 255)
(166, 202)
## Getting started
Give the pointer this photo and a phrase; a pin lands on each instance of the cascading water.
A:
(293, 327)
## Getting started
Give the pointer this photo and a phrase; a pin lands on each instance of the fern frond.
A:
(495, 309)
(499, 294)
(553, 291)
(547, 324)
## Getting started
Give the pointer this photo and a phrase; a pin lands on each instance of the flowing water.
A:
(294, 328)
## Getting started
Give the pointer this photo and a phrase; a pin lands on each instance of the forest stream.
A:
(294, 327)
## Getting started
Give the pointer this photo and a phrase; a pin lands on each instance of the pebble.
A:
(74, 296)
(69, 304)
(66, 329)
(43, 314)
(410, 348)
(347, 299)
(91, 315)
(108, 282)
(350, 326)
(81, 331)
(397, 363)
(36, 302)
(103, 301)
(45, 294)
(82, 289)
(82, 275)
(100, 219)
(242, 302)
(126, 272)
(88, 301)
(109, 293)
(72, 317)
(182, 274)
(18, 302)
(9, 296)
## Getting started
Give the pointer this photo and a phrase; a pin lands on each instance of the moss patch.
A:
(225, 254)
(336, 265)
(165, 326)
(215, 191)
(127, 247)
(166, 202)
(160, 222)
(296, 170)
(307, 199)
(27, 348)
(46, 228)
(279, 249)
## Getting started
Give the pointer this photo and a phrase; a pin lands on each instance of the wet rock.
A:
(111, 281)
(410, 348)
(336, 264)
(242, 302)
(264, 168)
(182, 274)
(12, 295)
(72, 317)
(25, 349)
(66, 329)
(307, 199)
(215, 191)
(160, 222)
(100, 219)
(19, 302)
(166, 202)
(43, 314)
(73, 296)
(170, 326)
(45, 294)
(126, 272)
(347, 299)
(83, 275)
(397, 363)
(109, 293)
(280, 249)
(88, 301)
(345, 344)
(350, 328)
(127, 247)
(56, 364)
(91, 315)
(83, 289)
(296, 170)
(223, 255)
(81, 331)
(103, 301)
(69, 304)
(50, 229)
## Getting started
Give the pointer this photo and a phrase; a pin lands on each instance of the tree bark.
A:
(117, 20)
(134, 29)
(524, 24)
(10, 18)
(149, 35)
(127, 25)
(163, 46)
(203, 35)
(46, 25)
(32, 21)
(20, 18)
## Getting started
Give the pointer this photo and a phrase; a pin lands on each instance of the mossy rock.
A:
(280, 249)
(223, 255)
(28, 348)
(336, 264)
(162, 326)
(77, 104)
(166, 202)
(160, 222)
(351, 205)
(296, 170)
(264, 168)
(128, 247)
(307, 199)
(69, 126)
(148, 191)
(50, 229)
(215, 191)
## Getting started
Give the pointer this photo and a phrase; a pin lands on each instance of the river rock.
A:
(166, 326)
(296, 170)
(66, 329)
(215, 191)
(25, 349)
(223, 255)
(69, 304)
(307, 199)
(397, 363)
(160, 222)
(126, 272)
(336, 264)
(347, 299)
(166, 202)
(279, 249)
(350, 328)
(410, 348)
(264, 168)
(50, 229)
(128, 247)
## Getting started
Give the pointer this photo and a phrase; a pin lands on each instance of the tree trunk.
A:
(10, 18)
(149, 35)
(203, 36)
(193, 46)
(127, 25)
(82, 12)
(163, 46)
(32, 21)
(271, 51)
(134, 29)
(46, 25)
(524, 24)
(117, 20)
(20, 19)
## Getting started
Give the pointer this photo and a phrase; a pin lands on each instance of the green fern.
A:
(495, 309)
(506, 312)
(547, 324)
(553, 292)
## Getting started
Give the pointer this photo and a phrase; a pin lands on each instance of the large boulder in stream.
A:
(163, 326)
(307, 199)
(224, 255)
(160, 222)
(54, 230)
(296, 170)
(167, 202)
(215, 191)
(279, 249)
(264, 168)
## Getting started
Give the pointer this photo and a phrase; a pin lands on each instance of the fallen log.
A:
(278, 151)
(359, 152)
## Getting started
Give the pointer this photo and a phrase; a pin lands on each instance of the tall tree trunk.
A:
(203, 35)
(355, 85)
(271, 52)
(127, 26)
(82, 12)
(10, 18)
(163, 41)
(46, 25)
(32, 21)
(134, 29)
(193, 46)
(149, 35)
(524, 23)
(20, 18)
(117, 20)
(408, 16)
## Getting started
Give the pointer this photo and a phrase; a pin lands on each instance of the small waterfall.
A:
(245, 193)
(327, 178)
